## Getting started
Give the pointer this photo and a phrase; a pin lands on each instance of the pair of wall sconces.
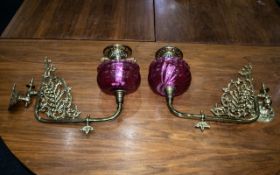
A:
(169, 76)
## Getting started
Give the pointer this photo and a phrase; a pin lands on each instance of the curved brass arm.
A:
(251, 117)
(119, 94)
(224, 119)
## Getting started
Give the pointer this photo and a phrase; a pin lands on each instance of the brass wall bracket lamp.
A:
(170, 76)
(118, 74)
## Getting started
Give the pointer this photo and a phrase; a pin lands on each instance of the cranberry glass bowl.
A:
(169, 70)
(118, 70)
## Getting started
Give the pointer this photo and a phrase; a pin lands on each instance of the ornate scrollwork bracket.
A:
(239, 103)
(54, 101)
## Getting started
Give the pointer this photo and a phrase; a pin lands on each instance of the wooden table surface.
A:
(217, 21)
(146, 138)
(83, 19)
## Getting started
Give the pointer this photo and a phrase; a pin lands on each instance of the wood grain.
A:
(218, 21)
(146, 139)
(83, 19)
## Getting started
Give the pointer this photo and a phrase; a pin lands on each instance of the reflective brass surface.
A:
(169, 51)
(117, 51)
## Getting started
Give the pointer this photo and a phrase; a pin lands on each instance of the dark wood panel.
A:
(146, 138)
(218, 21)
(84, 19)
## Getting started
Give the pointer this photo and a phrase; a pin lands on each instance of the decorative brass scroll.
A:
(54, 101)
(239, 104)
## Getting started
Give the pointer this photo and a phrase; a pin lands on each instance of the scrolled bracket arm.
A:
(54, 98)
(54, 101)
(239, 104)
